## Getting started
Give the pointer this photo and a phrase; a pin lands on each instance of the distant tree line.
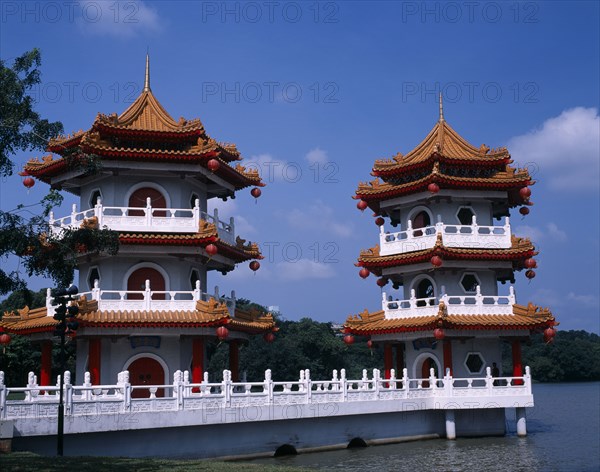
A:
(307, 344)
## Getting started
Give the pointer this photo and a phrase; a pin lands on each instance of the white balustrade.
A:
(148, 299)
(477, 304)
(471, 236)
(41, 401)
(145, 219)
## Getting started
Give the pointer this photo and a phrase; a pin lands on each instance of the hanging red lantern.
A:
(4, 339)
(379, 221)
(530, 274)
(255, 192)
(269, 337)
(525, 193)
(433, 187)
(349, 339)
(530, 263)
(370, 344)
(549, 332)
(254, 266)
(524, 211)
(382, 282)
(211, 250)
(213, 165)
(222, 333)
(362, 205)
(438, 333)
(28, 182)
(436, 261)
(364, 273)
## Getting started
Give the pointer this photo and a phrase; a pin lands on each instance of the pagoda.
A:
(147, 310)
(449, 203)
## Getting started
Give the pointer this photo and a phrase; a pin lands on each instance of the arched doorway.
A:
(420, 220)
(429, 362)
(424, 289)
(137, 282)
(139, 197)
(146, 371)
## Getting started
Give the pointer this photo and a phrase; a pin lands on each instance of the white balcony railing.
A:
(145, 219)
(107, 400)
(148, 299)
(477, 304)
(417, 239)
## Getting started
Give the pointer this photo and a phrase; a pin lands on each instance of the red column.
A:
(197, 360)
(46, 368)
(387, 360)
(399, 359)
(234, 360)
(517, 362)
(447, 356)
(94, 359)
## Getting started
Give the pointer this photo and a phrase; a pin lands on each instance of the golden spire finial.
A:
(147, 78)
(441, 109)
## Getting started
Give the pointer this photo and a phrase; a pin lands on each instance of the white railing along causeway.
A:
(477, 304)
(148, 299)
(87, 399)
(417, 239)
(145, 219)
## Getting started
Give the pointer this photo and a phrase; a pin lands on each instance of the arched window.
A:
(137, 282)
(139, 197)
(93, 275)
(424, 290)
(96, 194)
(420, 220)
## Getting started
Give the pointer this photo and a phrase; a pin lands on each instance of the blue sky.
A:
(313, 93)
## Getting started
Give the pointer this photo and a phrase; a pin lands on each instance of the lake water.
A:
(563, 435)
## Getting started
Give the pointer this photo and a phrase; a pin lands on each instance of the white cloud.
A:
(117, 19)
(547, 297)
(304, 269)
(586, 300)
(318, 216)
(551, 232)
(317, 156)
(566, 148)
(271, 169)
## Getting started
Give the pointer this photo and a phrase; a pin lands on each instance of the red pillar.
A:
(387, 360)
(234, 360)
(94, 359)
(517, 362)
(399, 359)
(197, 360)
(447, 356)
(46, 368)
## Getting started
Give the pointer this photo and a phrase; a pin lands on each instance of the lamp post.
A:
(64, 326)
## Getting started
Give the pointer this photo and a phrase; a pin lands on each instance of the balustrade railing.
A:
(148, 299)
(123, 397)
(477, 304)
(417, 239)
(145, 219)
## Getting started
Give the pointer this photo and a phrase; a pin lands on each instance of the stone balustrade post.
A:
(147, 295)
(448, 387)
(99, 211)
(148, 211)
(376, 383)
(384, 306)
(73, 215)
(511, 295)
(365, 380)
(196, 212)
(232, 226)
(186, 383)
(413, 299)
(344, 383)
(308, 385)
(32, 385)
(527, 380)
(204, 385)
(335, 381)
(96, 290)
(478, 296)
(126, 390)
(432, 378)
(68, 393)
(409, 230)
(489, 382)
(392, 384)
(197, 291)
(405, 381)
(87, 384)
(226, 386)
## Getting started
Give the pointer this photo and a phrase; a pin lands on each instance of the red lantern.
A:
(362, 205)
(436, 261)
(530, 274)
(438, 333)
(213, 165)
(28, 182)
(364, 273)
(549, 332)
(382, 282)
(525, 193)
(349, 339)
(530, 263)
(255, 192)
(254, 266)
(222, 333)
(4, 339)
(379, 221)
(524, 211)
(433, 187)
(370, 344)
(269, 337)
(211, 250)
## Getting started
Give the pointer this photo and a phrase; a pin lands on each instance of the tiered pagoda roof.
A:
(144, 132)
(207, 314)
(527, 318)
(450, 161)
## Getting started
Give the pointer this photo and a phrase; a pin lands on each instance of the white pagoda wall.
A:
(481, 208)
(450, 279)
